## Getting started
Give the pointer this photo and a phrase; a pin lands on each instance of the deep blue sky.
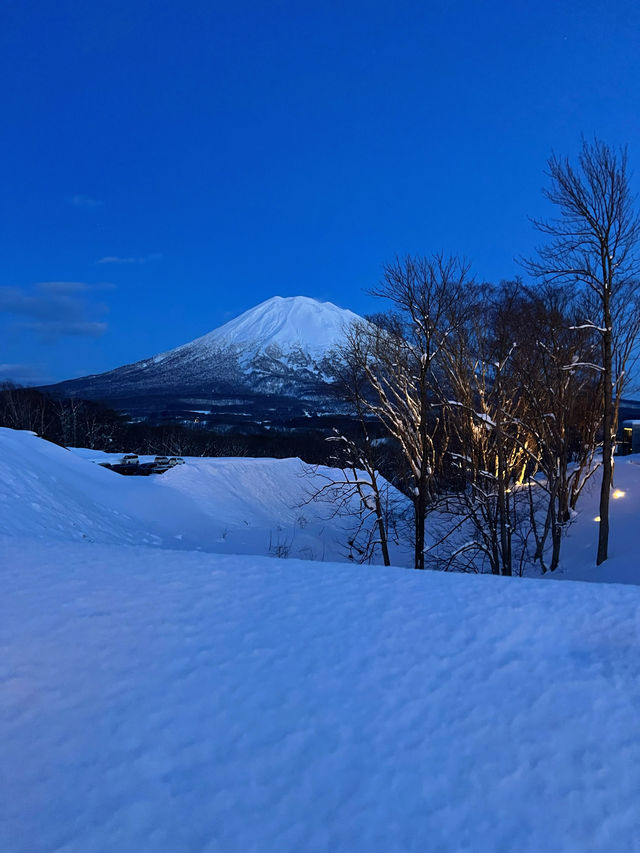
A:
(216, 154)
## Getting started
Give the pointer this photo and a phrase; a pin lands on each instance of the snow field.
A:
(247, 506)
(163, 701)
(157, 699)
(233, 506)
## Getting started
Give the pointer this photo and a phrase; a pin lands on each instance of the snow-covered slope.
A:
(160, 702)
(287, 323)
(281, 346)
(246, 506)
(228, 506)
(158, 699)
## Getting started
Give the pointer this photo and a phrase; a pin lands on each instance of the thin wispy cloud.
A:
(52, 310)
(50, 331)
(23, 374)
(85, 201)
(73, 286)
(142, 259)
(113, 259)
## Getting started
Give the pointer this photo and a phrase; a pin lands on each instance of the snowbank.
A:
(157, 699)
(233, 506)
(160, 702)
(246, 506)
(578, 561)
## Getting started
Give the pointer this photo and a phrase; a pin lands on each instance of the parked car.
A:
(129, 459)
(176, 460)
(162, 462)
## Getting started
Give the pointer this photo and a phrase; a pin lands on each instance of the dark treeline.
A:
(72, 422)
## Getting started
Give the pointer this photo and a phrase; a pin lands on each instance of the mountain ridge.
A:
(279, 348)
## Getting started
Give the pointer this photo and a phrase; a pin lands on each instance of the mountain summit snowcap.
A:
(285, 321)
(281, 348)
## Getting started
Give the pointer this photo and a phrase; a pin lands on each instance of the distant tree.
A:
(593, 248)
(24, 408)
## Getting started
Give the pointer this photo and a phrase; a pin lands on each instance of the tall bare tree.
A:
(593, 246)
(560, 411)
(401, 359)
(489, 419)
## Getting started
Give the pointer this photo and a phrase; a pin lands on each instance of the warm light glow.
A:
(597, 518)
(619, 494)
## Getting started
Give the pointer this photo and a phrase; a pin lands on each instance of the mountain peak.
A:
(284, 321)
(277, 348)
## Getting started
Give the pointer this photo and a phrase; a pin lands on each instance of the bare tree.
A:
(355, 489)
(561, 413)
(400, 360)
(359, 460)
(24, 408)
(593, 247)
(489, 419)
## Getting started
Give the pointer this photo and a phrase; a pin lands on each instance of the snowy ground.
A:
(579, 549)
(228, 506)
(162, 700)
(579, 546)
(245, 506)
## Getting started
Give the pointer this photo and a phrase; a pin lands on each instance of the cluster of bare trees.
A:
(502, 401)
(73, 422)
(67, 421)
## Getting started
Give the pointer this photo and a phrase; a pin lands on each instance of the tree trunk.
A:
(384, 545)
(607, 439)
(420, 506)
(423, 481)
(505, 535)
(556, 542)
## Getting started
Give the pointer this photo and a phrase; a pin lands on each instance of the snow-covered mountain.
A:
(289, 324)
(280, 347)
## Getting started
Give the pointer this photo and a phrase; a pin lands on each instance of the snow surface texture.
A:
(245, 506)
(579, 549)
(231, 506)
(161, 702)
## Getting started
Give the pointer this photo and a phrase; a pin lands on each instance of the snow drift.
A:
(232, 506)
(163, 702)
